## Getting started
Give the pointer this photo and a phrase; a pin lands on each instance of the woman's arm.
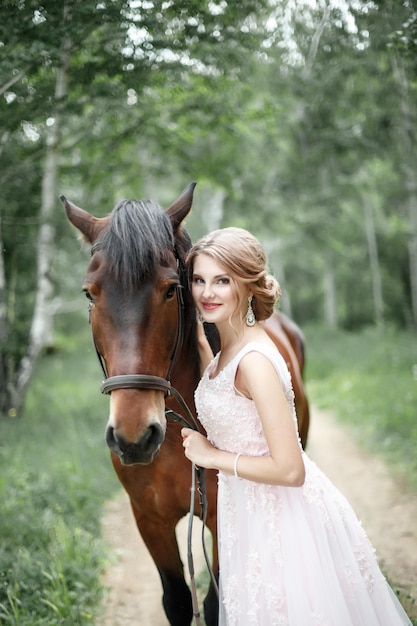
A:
(257, 379)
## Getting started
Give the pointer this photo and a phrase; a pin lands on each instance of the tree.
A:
(115, 56)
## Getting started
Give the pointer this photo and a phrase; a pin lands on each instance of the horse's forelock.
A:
(138, 238)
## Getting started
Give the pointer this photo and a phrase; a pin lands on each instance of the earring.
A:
(200, 317)
(250, 315)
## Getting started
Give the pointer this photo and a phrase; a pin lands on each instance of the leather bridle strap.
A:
(136, 381)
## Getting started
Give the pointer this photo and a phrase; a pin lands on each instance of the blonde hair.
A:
(245, 260)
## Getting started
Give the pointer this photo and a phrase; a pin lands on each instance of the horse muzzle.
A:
(142, 451)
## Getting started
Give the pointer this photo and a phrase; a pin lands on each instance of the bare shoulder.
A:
(255, 360)
(260, 351)
(257, 378)
(256, 367)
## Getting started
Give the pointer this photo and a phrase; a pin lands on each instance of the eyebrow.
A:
(215, 277)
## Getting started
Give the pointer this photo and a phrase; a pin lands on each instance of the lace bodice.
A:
(230, 419)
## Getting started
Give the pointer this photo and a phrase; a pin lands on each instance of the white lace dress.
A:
(293, 556)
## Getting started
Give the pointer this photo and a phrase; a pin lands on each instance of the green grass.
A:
(55, 476)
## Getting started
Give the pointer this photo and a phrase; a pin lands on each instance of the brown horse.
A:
(138, 294)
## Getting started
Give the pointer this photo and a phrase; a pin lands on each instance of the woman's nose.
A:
(207, 291)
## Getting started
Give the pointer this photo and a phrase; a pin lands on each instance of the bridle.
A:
(149, 381)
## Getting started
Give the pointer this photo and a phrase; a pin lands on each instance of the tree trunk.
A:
(41, 327)
(3, 326)
(407, 126)
(330, 312)
(273, 249)
(373, 260)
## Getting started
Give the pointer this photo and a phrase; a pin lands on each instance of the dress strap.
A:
(271, 352)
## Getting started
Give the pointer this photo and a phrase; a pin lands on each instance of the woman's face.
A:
(214, 290)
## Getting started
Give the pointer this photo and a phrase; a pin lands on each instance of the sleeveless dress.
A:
(289, 556)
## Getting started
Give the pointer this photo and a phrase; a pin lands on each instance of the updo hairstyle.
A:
(244, 259)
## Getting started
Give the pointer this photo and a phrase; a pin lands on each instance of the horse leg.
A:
(160, 539)
(211, 605)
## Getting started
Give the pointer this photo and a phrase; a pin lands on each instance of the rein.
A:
(149, 381)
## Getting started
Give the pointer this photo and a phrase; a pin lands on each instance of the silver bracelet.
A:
(235, 466)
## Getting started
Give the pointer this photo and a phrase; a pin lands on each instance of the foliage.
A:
(55, 476)
(299, 125)
(405, 37)
(114, 56)
(328, 150)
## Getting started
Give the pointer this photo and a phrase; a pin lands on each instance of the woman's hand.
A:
(197, 448)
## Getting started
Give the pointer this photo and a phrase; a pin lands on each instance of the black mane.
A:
(138, 238)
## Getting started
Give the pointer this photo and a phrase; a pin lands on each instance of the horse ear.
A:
(179, 210)
(88, 225)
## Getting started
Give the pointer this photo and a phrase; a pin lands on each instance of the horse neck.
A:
(186, 373)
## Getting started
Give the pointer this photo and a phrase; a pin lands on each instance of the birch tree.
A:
(408, 156)
(3, 320)
(41, 331)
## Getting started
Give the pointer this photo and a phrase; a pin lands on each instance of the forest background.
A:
(297, 119)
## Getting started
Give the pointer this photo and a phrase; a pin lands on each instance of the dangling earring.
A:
(200, 317)
(250, 315)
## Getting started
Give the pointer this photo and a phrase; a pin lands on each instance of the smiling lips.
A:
(210, 306)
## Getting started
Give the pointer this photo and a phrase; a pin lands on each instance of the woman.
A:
(291, 549)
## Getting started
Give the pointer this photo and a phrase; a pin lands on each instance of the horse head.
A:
(133, 284)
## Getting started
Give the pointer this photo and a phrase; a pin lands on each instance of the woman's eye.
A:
(223, 281)
(197, 280)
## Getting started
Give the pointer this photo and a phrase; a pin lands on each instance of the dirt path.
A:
(388, 514)
(134, 588)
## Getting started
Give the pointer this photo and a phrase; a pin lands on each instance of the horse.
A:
(139, 304)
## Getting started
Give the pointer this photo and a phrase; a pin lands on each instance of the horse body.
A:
(133, 285)
(289, 341)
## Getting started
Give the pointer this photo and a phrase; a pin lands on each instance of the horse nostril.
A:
(112, 441)
(153, 437)
(141, 451)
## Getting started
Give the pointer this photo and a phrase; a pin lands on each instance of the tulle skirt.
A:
(298, 557)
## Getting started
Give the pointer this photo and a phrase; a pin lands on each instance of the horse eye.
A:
(170, 292)
(88, 295)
